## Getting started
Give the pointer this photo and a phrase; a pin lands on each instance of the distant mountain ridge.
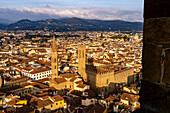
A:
(2, 26)
(75, 24)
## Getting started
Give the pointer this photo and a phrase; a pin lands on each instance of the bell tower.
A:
(54, 60)
(82, 62)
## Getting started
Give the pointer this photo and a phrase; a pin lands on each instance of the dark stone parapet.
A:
(155, 97)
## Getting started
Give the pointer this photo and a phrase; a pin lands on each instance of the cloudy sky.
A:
(128, 10)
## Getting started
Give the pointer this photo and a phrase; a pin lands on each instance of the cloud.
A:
(49, 11)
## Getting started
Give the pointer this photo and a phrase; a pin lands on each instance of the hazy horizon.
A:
(127, 10)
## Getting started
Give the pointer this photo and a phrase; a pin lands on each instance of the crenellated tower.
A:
(82, 62)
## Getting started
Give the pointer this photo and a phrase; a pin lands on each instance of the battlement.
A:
(123, 70)
(100, 70)
(81, 46)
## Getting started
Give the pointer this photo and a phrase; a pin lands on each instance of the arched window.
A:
(79, 53)
(54, 60)
(105, 89)
(83, 54)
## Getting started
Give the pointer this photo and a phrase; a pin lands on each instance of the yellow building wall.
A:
(32, 52)
(28, 86)
(75, 64)
(56, 105)
(104, 78)
(121, 77)
(5, 61)
(22, 102)
(59, 104)
(24, 49)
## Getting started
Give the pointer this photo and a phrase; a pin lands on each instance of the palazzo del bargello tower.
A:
(82, 62)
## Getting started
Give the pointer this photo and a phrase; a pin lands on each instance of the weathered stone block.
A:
(157, 30)
(151, 63)
(155, 98)
(166, 77)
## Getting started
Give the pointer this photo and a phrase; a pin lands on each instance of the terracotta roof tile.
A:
(81, 85)
(129, 97)
(73, 79)
(58, 98)
(60, 80)
(68, 75)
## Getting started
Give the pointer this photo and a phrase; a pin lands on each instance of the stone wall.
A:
(155, 89)
(122, 77)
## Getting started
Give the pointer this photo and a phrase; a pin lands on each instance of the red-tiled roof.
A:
(72, 79)
(68, 75)
(111, 98)
(81, 85)
(58, 98)
(129, 97)
(60, 80)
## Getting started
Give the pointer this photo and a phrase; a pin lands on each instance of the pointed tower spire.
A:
(54, 48)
